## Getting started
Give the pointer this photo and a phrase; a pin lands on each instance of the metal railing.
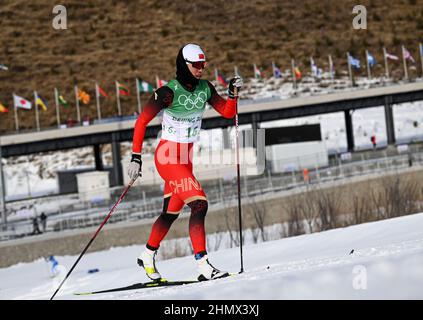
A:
(136, 208)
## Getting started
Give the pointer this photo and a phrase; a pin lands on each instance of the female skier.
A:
(183, 102)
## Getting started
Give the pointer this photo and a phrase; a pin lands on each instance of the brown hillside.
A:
(112, 40)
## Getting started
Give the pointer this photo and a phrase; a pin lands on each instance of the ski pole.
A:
(95, 235)
(239, 182)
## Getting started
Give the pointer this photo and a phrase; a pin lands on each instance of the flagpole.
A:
(369, 74)
(421, 55)
(137, 84)
(294, 80)
(311, 68)
(405, 64)
(2, 195)
(56, 99)
(37, 118)
(331, 67)
(78, 112)
(350, 69)
(386, 63)
(118, 98)
(236, 71)
(16, 114)
(97, 98)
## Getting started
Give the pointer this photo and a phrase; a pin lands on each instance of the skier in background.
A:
(54, 270)
(183, 102)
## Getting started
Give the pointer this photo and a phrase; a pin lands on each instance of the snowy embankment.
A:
(379, 260)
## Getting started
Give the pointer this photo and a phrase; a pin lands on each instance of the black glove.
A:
(235, 82)
(134, 167)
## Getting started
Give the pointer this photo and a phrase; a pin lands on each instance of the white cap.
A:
(193, 53)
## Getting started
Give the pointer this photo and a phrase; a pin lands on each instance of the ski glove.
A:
(134, 167)
(234, 82)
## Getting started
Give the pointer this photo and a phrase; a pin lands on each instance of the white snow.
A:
(386, 264)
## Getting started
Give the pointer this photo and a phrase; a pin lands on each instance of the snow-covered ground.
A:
(385, 263)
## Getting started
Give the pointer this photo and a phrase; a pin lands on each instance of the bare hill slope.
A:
(119, 40)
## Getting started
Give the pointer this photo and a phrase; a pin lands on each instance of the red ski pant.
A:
(174, 163)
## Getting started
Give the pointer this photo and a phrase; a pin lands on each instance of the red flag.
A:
(102, 92)
(123, 91)
(298, 74)
(3, 109)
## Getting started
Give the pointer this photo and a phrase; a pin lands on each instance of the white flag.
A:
(407, 55)
(391, 56)
(21, 102)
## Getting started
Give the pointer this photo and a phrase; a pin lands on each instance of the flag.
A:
(354, 62)
(83, 96)
(123, 91)
(160, 82)
(144, 86)
(331, 68)
(20, 102)
(371, 59)
(257, 72)
(276, 71)
(220, 77)
(3, 109)
(62, 100)
(102, 92)
(297, 73)
(40, 102)
(315, 71)
(3, 67)
(391, 56)
(407, 55)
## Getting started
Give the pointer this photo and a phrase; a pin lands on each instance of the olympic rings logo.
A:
(194, 100)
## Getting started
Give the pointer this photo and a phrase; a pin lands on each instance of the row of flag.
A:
(84, 97)
(318, 72)
(81, 96)
(20, 102)
(372, 61)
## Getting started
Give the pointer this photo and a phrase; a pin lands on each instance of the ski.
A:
(151, 284)
(141, 285)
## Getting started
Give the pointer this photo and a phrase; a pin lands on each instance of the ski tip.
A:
(82, 293)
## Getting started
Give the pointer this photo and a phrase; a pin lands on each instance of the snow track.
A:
(386, 264)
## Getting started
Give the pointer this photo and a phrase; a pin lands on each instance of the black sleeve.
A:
(213, 91)
(161, 98)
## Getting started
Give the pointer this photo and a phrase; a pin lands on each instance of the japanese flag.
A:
(21, 102)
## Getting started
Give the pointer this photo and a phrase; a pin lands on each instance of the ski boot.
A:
(147, 260)
(207, 271)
